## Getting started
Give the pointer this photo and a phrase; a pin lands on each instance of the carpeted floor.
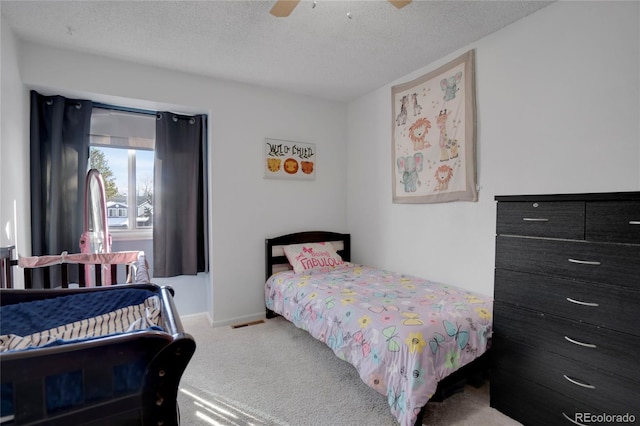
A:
(275, 374)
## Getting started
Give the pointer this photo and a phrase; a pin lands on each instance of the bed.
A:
(404, 335)
(103, 355)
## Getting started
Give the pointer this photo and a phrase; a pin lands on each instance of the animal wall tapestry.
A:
(289, 160)
(433, 138)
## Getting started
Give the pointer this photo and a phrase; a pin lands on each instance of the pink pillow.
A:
(305, 257)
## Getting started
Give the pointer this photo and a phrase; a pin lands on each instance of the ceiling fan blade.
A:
(399, 3)
(283, 8)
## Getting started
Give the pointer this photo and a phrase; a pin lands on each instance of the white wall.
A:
(245, 207)
(14, 150)
(558, 107)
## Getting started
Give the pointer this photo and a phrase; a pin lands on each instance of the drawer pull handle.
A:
(634, 222)
(579, 302)
(575, 342)
(573, 421)
(575, 382)
(534, 219)
(584, 262)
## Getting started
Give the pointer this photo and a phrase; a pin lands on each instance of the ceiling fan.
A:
(283, 8)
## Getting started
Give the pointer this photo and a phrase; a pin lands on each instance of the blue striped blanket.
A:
(77, 317)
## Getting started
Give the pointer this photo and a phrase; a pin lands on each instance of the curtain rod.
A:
(124, 109)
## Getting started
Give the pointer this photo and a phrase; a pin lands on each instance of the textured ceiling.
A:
(316, 51)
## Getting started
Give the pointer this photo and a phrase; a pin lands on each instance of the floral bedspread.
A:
(403, 334)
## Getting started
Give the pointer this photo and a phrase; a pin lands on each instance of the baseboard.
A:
(239, 320)
(199, 314)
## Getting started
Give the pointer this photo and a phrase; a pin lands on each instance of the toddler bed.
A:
(403, 334)
(104, 355)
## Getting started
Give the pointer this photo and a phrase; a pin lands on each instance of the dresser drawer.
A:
(615, 264)
(595, 388)
(598, 347)
(612, 307)
(613, 221)
(535, 405)
(564, 219)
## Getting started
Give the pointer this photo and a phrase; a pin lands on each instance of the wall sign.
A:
(289, 159)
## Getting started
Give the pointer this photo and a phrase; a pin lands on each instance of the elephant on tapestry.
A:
(409, 167)
(450, 86)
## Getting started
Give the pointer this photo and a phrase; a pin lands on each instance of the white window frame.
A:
(133, 233)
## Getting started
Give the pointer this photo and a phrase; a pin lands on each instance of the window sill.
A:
(134, 235)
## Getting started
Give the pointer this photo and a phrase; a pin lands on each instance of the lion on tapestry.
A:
(418, 134)
(443, 176)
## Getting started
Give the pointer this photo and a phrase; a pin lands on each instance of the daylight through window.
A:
(121, 148)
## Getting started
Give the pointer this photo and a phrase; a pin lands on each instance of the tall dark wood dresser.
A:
(566, 342)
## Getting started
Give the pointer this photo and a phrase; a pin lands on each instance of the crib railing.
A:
(58, 270)
(6, 275)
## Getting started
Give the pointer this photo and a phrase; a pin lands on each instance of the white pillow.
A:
(309, 256)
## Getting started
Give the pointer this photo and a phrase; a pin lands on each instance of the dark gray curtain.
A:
(59, 159)
(180, 229)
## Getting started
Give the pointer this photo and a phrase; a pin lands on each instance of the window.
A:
(121, 148)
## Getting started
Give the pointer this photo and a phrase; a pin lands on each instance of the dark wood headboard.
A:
(274, 254)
